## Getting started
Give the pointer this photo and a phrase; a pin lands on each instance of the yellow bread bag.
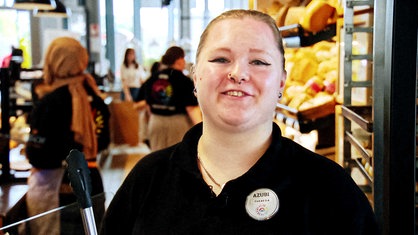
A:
(317, 14)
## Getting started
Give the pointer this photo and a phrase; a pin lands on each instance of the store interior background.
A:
(151, 29)
(107, 27)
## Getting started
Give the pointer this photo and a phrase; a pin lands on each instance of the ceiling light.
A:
(59, 11)
(34, 4)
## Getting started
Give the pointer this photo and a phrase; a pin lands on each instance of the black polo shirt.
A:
(166, 194)
(168, 93)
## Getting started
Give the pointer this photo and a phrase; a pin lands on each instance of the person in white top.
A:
(132, 75)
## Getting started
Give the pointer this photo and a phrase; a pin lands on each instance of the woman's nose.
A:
(239, 74)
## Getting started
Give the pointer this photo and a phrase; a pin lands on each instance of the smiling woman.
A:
(235, 173)
(247, 98)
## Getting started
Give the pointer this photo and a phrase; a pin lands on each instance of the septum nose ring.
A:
(232, 78)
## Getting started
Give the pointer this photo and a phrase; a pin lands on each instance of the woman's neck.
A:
(67, 81)
(229, 155)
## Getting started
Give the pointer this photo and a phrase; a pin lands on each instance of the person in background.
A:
(132, 76)
(68, 114)
(155, 68)
(235, 173)
(144, 112)
(169, 96)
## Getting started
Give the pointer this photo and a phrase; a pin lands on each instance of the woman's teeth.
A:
(235, 93)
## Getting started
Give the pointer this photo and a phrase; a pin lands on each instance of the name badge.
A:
(262, 204)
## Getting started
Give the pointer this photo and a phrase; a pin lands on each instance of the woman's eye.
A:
(219, 60)
(259, 62)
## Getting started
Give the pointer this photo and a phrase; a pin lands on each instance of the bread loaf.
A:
(317, 14)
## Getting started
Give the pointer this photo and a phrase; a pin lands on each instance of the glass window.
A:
(124, 33)
(14, 32)
(161, 26)
(154, 27)
(6, 3)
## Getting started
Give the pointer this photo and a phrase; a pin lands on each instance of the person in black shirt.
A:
(235, 173)
(169, 96)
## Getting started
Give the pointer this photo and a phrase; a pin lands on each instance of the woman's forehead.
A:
(235, 33)
(235, 27)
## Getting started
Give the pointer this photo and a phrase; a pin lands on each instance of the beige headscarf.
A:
(65, 64)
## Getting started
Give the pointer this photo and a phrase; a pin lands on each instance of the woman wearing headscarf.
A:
(70, 114)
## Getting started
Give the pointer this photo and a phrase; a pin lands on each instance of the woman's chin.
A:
(238, 121)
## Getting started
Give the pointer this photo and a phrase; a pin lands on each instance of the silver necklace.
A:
(208, 174)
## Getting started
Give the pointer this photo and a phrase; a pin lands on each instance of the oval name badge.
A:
(262, 204)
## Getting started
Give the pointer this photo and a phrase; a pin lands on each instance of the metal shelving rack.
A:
(361, 115)
(392, 116)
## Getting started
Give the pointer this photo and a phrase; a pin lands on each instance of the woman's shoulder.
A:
(154, 161)
(59, 95)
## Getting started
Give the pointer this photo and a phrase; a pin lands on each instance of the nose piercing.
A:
(232, 78)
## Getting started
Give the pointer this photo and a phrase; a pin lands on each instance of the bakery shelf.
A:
(320, 119)
(314, 113)
(306, 121)
(295, 35)
(362, 115)
(363, 170)
(363, 151)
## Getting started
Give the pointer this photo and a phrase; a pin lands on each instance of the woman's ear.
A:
(193, 73)
(283, 79)
(282, 84)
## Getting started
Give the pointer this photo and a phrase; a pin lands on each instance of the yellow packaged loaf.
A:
(327, 65)
(320, 99)
(293, 15)
(303, 70)
(290, 92)
(281, 16)
(317, 14)
(323, 46)
(290, 2)
(298, 100)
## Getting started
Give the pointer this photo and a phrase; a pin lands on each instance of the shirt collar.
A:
(185, 156)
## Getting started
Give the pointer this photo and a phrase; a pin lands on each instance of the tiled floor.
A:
(116, 165)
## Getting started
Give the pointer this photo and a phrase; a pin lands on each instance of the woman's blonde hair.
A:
(240, 14)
